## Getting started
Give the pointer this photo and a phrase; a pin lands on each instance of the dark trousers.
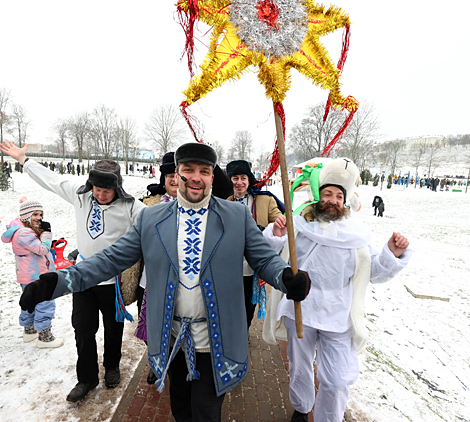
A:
(194, 401)
(249, 307)
(87, 306)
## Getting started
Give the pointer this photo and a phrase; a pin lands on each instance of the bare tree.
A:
(104, 130)
(361, 134)
(263, 160)
(417, 154)
(241, 145)
(79, 127)
(127, 138)
(310, 137)
(219, 149)
(165, 128)
(5, 118)
(21, 122)
(431, 156)
(60, 129)
(392, 151)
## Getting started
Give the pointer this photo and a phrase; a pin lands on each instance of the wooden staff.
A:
(289, 221)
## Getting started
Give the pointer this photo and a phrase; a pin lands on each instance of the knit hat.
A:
(237, 167)
(168, 166)
(28, 208)
(105, 174)
(193, 151)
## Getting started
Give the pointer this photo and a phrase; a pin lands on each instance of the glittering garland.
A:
(274, 28)
(266, 34)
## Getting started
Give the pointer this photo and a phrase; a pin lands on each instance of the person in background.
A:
(265, 208)
(103, 213)
(162, 192)
(30, 238)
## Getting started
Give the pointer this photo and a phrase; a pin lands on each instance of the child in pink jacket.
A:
(31, 242)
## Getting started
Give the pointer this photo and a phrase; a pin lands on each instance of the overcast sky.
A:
(409, 58)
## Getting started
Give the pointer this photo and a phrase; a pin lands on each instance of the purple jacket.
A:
(33, 256)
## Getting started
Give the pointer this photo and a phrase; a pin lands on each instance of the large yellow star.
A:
(275, 36)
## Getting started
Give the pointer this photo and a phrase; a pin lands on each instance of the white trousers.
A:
(337, 370)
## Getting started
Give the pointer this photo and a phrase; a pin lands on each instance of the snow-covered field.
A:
(417, 364)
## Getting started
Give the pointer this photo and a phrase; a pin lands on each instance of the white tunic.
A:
(326, 251)
(117, 218)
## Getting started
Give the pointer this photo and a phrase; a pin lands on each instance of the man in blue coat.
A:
(193, 250)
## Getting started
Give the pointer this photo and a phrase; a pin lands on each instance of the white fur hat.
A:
(339, 172)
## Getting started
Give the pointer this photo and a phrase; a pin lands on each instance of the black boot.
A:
(299, 417)
(151, 377)
(112, 377)
(81, 390)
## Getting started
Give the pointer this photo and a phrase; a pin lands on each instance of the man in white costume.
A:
(335, 251)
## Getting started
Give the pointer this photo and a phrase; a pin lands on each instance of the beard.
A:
(325, 211)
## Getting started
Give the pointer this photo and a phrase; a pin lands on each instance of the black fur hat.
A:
(168, 166)
(193, 151)
(105, 174)
(241, 167)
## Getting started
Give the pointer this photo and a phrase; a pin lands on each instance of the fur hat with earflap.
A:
(28, 208)
(341, 173)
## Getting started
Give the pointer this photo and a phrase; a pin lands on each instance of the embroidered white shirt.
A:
(192, 223)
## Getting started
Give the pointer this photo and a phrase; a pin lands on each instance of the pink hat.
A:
(28, 208)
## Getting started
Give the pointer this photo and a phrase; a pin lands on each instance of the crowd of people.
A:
(432, 183)
(196, 254)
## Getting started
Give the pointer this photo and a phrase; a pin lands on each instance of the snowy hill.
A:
(416, 366)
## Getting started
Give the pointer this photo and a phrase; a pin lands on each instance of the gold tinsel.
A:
(228, 57)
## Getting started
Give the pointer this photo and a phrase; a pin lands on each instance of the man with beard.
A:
(193, 249)
(336, 253)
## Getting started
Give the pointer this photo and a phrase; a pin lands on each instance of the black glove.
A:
(45, 226)
(297, 285)
(38, 291)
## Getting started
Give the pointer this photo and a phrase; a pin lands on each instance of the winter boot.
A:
(29, 334)
(80, 390)
(47, 340)
(151, 377)
(299, 417)
(112, 377)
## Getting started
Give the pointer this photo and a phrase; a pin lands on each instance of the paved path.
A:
(262, 396)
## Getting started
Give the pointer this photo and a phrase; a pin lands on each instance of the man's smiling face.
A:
(199, 180)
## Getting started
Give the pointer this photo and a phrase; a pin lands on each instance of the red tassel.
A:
(187, 20)
(192, 122)
(279, 109)
(345, 49)
(339, 135)
(340, 66)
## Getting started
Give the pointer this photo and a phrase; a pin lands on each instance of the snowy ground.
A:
(416, 367)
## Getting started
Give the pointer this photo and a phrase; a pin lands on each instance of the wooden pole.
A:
(289, 221)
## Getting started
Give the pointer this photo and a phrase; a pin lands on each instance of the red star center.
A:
(268, 12)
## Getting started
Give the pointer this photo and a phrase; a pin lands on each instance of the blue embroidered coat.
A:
(231, 234)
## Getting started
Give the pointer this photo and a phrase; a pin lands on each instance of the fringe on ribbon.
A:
(339, 135)
(341, 62)
(141, 330)
(121, 311)
(259, 296)
(192, 122)
(279, 109)
(187, 20)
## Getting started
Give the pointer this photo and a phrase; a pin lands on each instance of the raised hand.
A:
(398, 244)
(19, 154)
(279, 226)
